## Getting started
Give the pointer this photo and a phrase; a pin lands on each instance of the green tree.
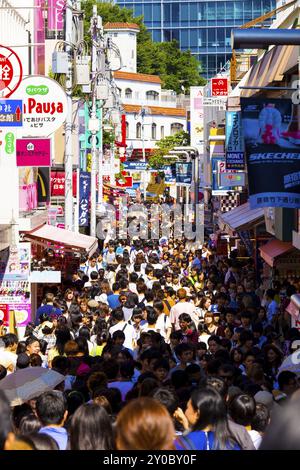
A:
(157, 160)
(177, 69)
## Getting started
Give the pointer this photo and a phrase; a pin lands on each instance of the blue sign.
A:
(235, 151)
(84, 198)
(11, 113)
(170, 177)
(183, 173)
(135, 166)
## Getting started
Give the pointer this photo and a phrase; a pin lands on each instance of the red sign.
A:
(4, 314)
(57, 183)
(127, 183)
(11, 72)
(219, 86)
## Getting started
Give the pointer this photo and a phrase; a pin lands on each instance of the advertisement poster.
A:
(15, 296)
(56, 10)
(15, 263)
(84, 198)
(235, 148)
(183, 173)
(272, 140)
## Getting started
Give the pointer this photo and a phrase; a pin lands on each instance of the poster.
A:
(272, 139)
(235, 148)
(15, 263)
(34, 152)
(183, 173)
(15, 296)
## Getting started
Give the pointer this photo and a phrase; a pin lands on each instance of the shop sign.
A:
(11, 72)
(44, 105)
(34, 152)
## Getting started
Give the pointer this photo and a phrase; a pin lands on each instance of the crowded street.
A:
(149, 230)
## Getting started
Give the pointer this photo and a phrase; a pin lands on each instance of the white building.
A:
(151, 112)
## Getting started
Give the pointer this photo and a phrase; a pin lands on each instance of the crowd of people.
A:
(161, 346)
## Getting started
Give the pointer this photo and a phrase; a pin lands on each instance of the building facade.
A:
(203, 27)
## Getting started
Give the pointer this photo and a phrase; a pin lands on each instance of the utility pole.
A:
(143, 112)
(93, 118)
(68, 125)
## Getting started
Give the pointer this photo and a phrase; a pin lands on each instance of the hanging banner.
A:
(235, 148)
(39, 37)
(56, 9)
(34, 152)
(57, 183)
(272, 139)
(84, 198)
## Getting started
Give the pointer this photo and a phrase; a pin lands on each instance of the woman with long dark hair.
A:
(91, 429)
(207, 419)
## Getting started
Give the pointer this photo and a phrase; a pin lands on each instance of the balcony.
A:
(164, 100)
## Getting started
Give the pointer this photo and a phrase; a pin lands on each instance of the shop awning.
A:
(271, 68)
(273, 249)
(240, 218)
(48, 234)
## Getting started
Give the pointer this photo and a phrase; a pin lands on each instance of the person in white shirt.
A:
(122, 325)
(163, 324)
(182, 306)
(8, 357)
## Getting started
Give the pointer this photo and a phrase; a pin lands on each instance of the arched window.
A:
(176, 127)
(128, 93)
(127, 130)
(162, 132)
(153, 131)
(152, 95)
(138, 130)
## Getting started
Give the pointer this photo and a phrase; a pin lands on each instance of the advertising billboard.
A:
(272, 140)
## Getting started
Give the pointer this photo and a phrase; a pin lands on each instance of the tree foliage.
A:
(163, 147)
(177, 69)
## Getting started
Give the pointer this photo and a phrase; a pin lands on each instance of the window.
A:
(127, 130)
(176, 127)
(152, 95)
(138, 130)
(153, 131)
(128, 93)
(162, 133)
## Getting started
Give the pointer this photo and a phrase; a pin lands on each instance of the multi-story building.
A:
(203, 27)
(151, 112)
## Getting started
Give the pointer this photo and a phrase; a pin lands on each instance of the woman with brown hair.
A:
(144, 424)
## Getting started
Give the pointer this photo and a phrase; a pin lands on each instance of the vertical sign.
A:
(56, 15)
(235, 149)
(39, 37)
(197, 126)
(84, 198)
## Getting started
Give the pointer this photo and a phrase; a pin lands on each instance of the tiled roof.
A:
(121, 26)
(156, 110)
(137, 77)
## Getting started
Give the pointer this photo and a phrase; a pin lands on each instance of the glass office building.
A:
(203, 27)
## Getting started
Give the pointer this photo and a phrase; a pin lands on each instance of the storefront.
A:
(282, 260)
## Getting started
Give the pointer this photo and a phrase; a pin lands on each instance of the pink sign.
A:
(56, 15)
(33, 152)
(39, 37)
